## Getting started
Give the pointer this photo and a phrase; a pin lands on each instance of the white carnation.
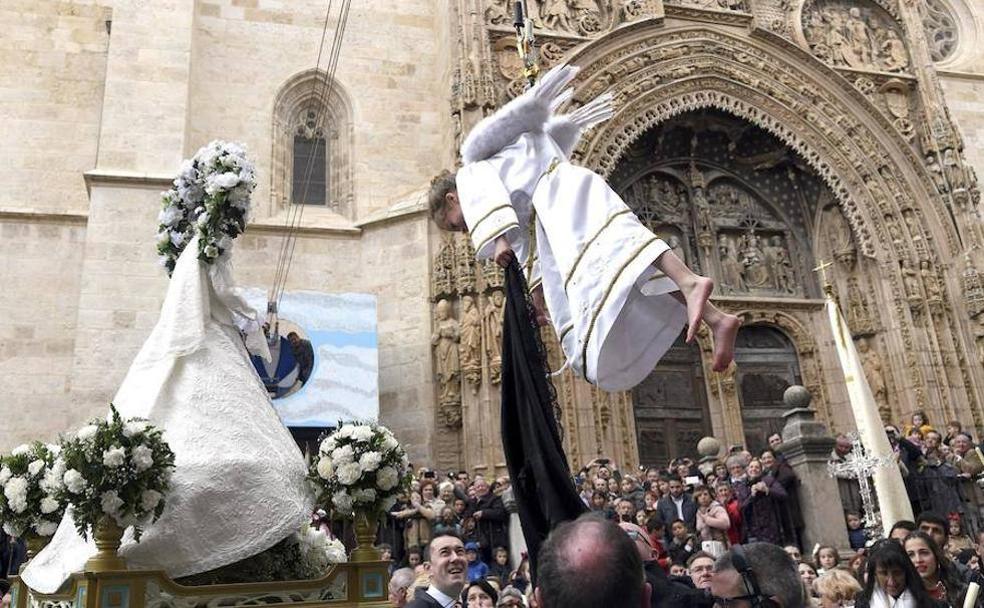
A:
(150, 499)
(134, 427)
(12, 529)
(346, 431)
(349, 473)
(87, 432)
(52, 481)
(325, 468)
(170, 216)
(5, 474)
(343, 455)
(328, 445)
(390, 442)
(370, 461)
(49, 505)
(53, 448)
(74, 481)
(387, 478)
(114, 457)
(20, 450)
(362, 433)
(211, 251)
(366, 496)
(143, 458)
(16, 493)
(35, 467)
(111, 502)
(45, 527)
(342, 501)
(221, 181)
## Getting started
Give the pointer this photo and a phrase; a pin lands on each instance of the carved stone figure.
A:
(892, 54)
(936, 171)
(930, 281)
(973, 287)
(911, 281)
(777, 257)
(676, 245)
(492, 333)
(445, 342)
(731, 269)
(557, 14)
(952, 168)
(858, 312)
(857, 50)
(471, 342)
(871, 363)
(753, 259)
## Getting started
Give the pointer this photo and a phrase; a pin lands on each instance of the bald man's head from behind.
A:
(590, 563)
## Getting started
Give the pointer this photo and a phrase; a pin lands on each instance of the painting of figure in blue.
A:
(324, 365)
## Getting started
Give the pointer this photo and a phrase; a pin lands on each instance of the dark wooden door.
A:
(671, 413)
(767, 365)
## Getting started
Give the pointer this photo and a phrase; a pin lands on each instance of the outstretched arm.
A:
(566, 129)
(528, 112)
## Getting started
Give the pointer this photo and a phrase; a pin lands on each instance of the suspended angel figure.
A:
(616, 294)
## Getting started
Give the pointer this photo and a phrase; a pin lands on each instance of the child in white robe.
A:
(617, 296)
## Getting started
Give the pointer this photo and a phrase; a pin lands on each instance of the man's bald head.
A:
(590, 562)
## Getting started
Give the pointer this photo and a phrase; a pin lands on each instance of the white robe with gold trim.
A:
(614, 316)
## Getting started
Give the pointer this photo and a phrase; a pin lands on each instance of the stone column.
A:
(806, 444)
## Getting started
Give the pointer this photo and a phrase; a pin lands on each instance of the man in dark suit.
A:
(449, 573)
(490, 519)
(677, 505)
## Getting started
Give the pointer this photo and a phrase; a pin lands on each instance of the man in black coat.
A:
(449, 573)
(490, 519)
(677, 505)
(666, 593)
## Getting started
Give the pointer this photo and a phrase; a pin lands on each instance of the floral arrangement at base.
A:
(31, 478)
(360, 467)
(304, 555)
(210, 199)
(117, 468)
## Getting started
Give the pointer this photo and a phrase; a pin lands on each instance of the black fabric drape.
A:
(541, 480)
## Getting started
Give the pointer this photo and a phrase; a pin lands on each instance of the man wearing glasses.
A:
(756, 575)
(666, 593)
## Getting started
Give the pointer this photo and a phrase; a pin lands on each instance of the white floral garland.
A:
(360, 467)
(30, 478)
(210, 199)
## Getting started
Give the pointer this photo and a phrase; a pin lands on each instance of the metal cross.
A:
(860, 464)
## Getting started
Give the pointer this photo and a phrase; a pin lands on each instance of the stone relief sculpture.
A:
(756, 273)
(448, 366)
(859, 37)
(731, 270)
(471, 342)
(859, 317)
(492, 333)
(777, 258)
(871, 363)
(578, 17)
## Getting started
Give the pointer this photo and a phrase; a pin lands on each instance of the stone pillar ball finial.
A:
(709, 447)
(797, 396)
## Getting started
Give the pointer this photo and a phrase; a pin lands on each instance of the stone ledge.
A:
(101, 177)
(40, 215)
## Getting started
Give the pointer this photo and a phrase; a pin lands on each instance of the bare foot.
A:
(696, 297)
(724, 330)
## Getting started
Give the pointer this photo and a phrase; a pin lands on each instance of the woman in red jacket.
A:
(726, 496)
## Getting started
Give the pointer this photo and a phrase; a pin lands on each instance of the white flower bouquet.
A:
(360, 468)
(31, 477)
(117, 468)
(210, 199)
(319, 551)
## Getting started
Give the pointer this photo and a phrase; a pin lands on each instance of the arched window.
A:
(312, 144)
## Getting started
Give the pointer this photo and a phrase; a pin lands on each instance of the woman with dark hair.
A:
(479, 594)
(939, 577)
(892, 581)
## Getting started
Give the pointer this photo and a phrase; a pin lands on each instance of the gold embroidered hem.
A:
(486, 216)
(590, 242)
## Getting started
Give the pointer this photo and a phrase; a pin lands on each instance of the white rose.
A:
(16, 493)
(366, 496)
(20, 450)
(211, 251)
(114, 457)
(150, 499)
(12, 529)
(87, 432)
(170, 216)
(111, 502)
(325, 468)
(362, 433)
(370, 461)
(74, 481)
(343, 455)
(346, 431)
(35, 467)
(134, 427)
(143, 458)
(349, 473)
(222, 181)
(45, 527)
(342, 501)
(49, 505)
(387, 478)
(390, 442)
(335, 551)
(328, 445)
(5, 475)
(53, 448)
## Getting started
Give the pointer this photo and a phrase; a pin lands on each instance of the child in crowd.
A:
(477, 569)
(827, 558)
(500, 565)
(682, 543)
(678, 570)
(855, 532)
(958, 538)
(617, 295)
(448, 523)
